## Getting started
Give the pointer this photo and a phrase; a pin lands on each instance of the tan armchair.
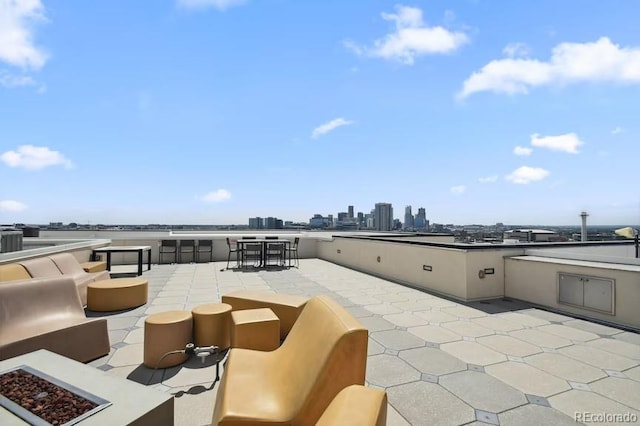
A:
(325, 352)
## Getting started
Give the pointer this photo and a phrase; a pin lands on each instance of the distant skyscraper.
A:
(370, 221)
(342, 217)
(270, 223)
(421, 220)
(256, 223)
(384, 217)
(318, 221)
(361, 221)
(408, 218)
(350, 211)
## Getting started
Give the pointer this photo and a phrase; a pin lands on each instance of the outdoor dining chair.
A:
(187, 247)
(275, 251)
(252, 253)
(292, 250)
(233, 249)
(204, 246)
(168, 247)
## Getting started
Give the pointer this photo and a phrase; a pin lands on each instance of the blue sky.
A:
(213, 111)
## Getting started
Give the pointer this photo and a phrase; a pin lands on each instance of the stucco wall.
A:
(402, 262)
(491, 285)
(537, 281)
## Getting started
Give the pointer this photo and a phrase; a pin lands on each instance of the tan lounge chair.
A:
(12, 272)
(46, 313)
(325, 352)
(356, 405)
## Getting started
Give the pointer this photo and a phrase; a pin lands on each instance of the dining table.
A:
(264, 243)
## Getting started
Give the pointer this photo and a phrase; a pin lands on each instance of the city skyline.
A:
(187, 112)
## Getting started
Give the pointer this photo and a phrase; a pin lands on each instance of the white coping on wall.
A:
(585, 263)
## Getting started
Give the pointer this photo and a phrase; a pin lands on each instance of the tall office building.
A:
(350, 211)
(384, 217)
(421, 220)
(272, 223)
(256, 223)
(408, 218)
(342, 217)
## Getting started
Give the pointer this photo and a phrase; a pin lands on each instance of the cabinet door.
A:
(570, 289)
(598, 294)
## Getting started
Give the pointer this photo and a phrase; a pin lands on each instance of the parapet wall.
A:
(537, 280)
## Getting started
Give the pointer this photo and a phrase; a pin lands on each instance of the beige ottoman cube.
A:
(287, 307)
(212, 325)
(257, 329)
(165, 332)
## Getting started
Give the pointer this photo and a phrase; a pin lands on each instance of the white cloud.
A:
(522, 151)
(12, 80)
(216, 196)
(516, 50)
(411, 38)
(566, 143)
(617, 130)
(525, 175)
(599, 61)
(488, 179)
(329, 126)
(34, 157)
(11, 206)
(459, 189)
(16, 33)
(203, 4)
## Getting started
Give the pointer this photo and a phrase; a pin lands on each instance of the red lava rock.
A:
(46, 400)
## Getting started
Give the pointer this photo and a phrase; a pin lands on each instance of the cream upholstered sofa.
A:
(325, 351)
(46, 313)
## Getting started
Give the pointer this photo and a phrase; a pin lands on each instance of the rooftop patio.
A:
(441, 362)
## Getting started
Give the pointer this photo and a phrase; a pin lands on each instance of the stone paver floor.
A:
(441, 362)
